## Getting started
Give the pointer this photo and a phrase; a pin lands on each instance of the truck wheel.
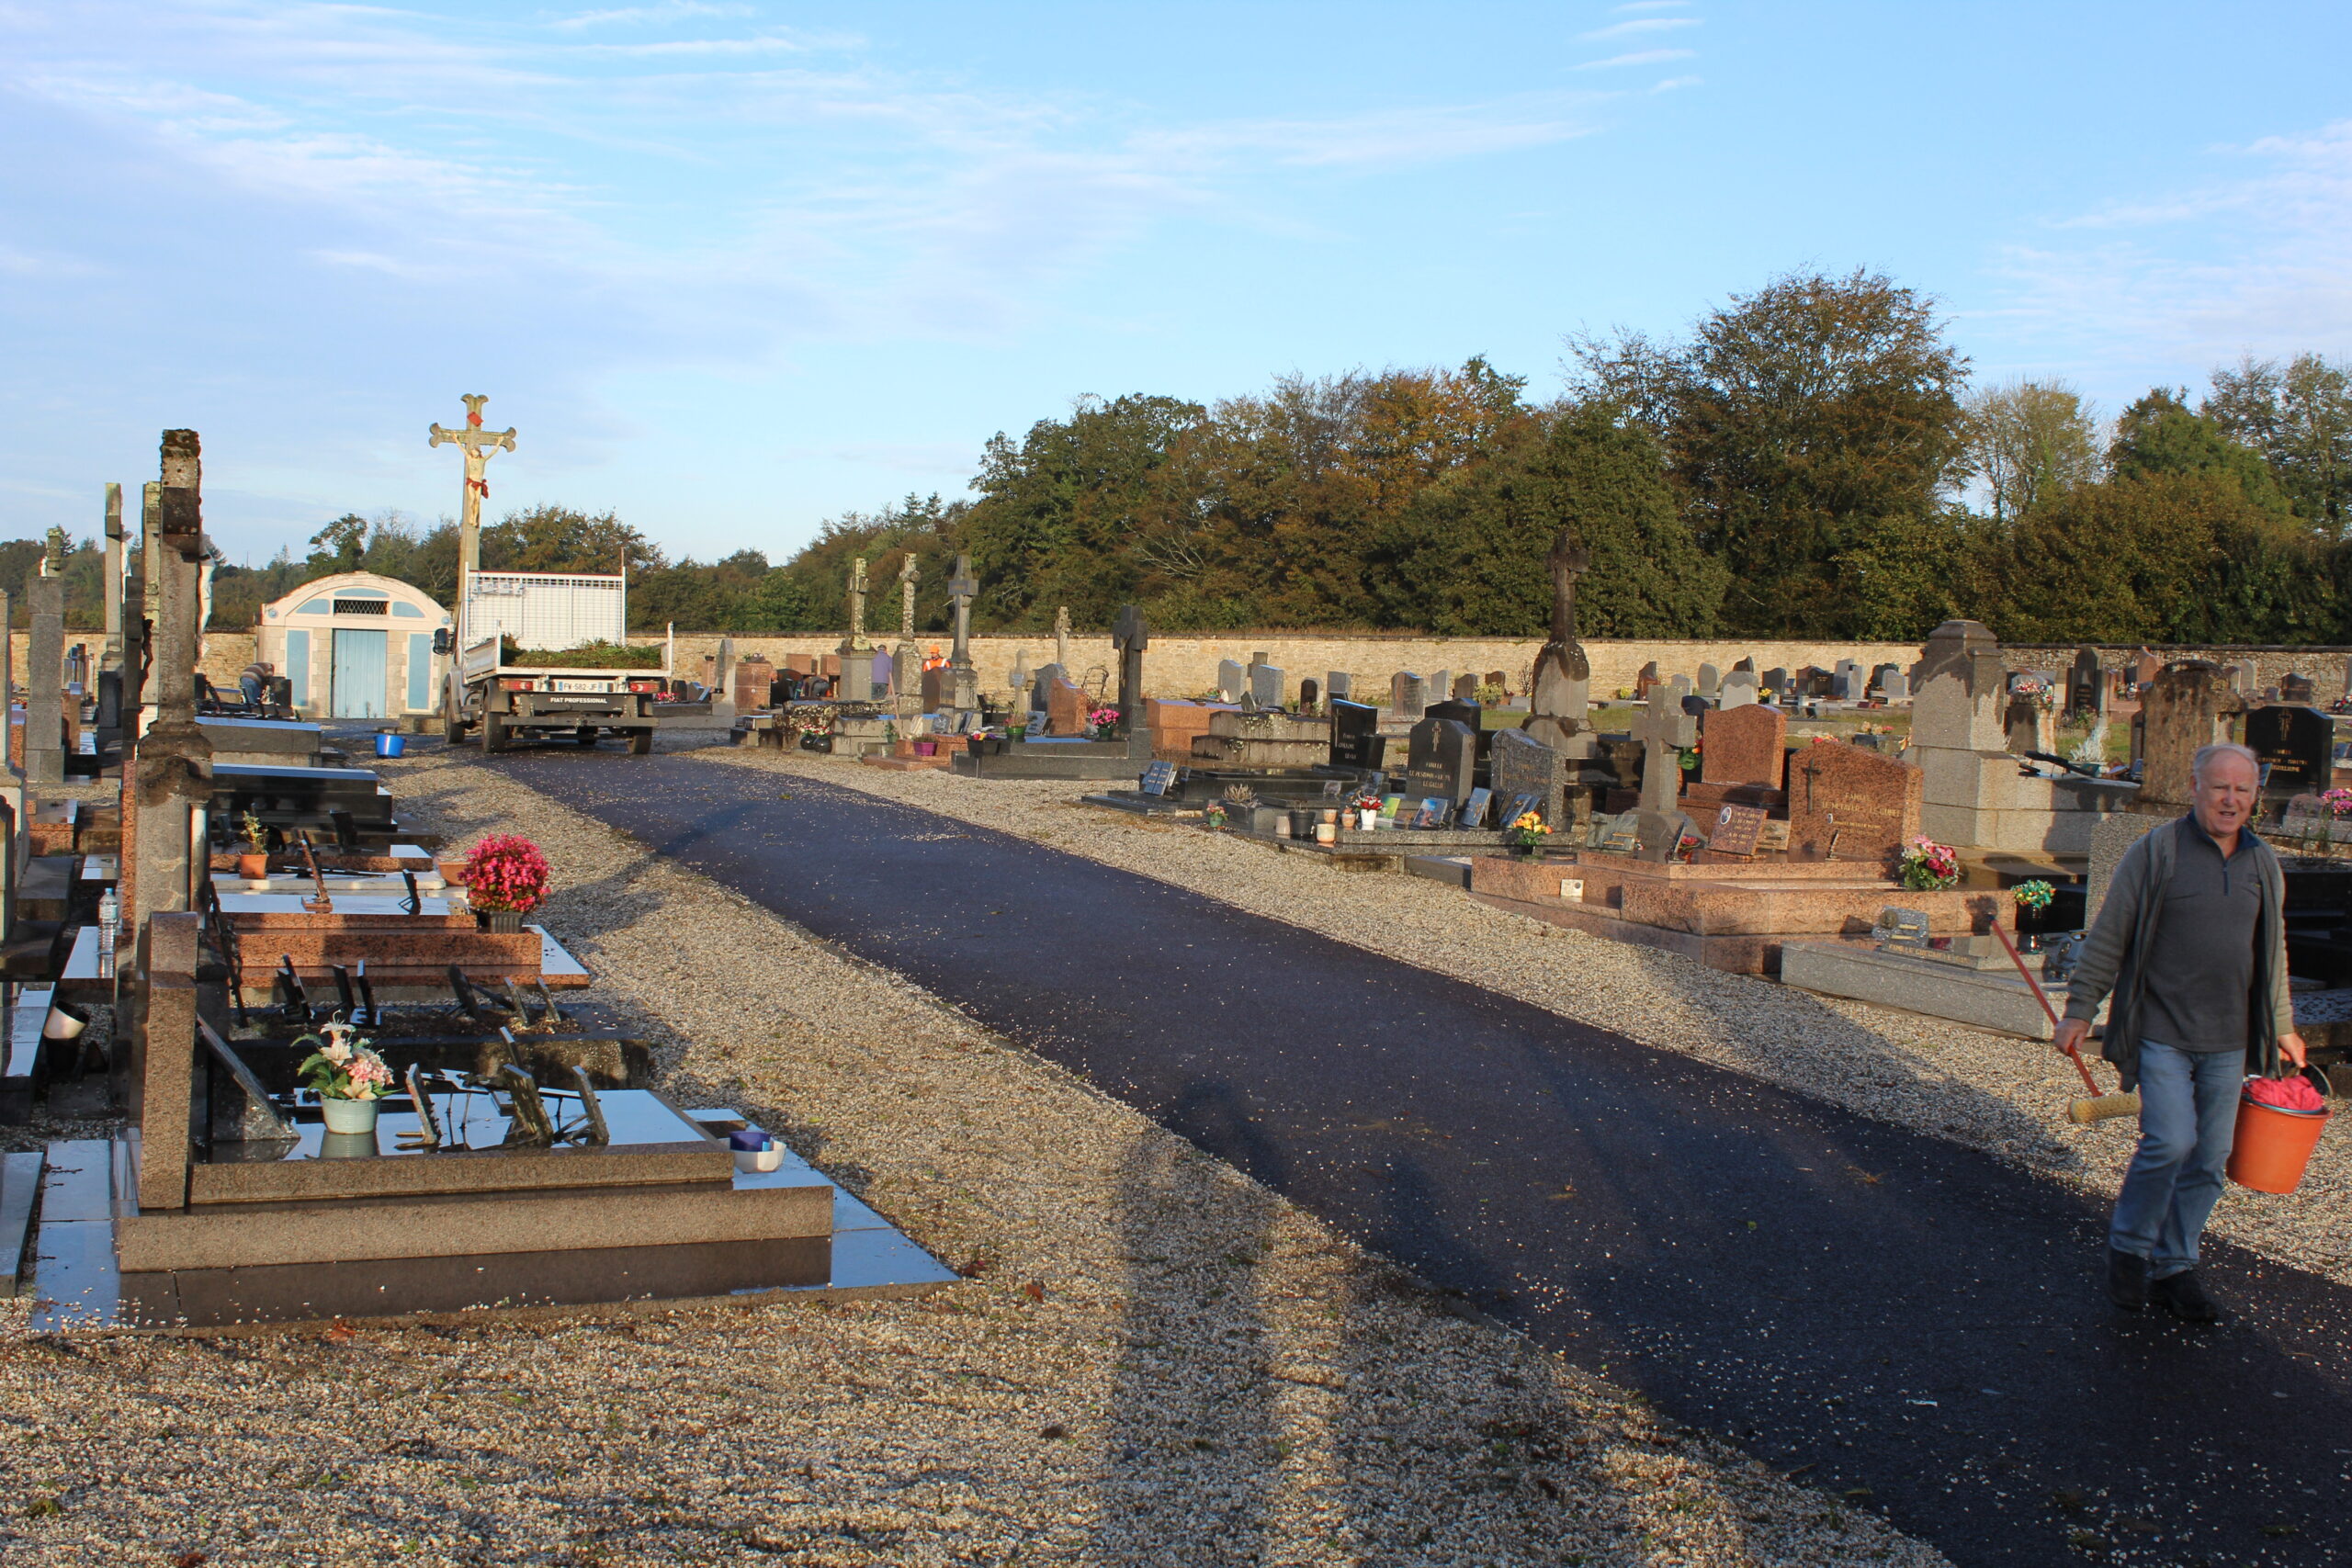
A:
(586, 734)
(453, 728)
(640, 742)
(493, 733)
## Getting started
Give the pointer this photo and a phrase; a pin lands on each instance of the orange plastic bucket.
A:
(2273, 1145)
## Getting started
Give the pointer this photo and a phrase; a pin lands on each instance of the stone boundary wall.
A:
(1185, 664)
(2329, 666)
(225, 653)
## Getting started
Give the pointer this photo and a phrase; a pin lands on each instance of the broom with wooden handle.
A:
(2098, 1106)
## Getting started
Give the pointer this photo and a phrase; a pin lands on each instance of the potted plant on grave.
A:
(348, 1074)
(254, 864)
(1528, 831)
(1102, 723)
(1367, 811)
(1928, 866)
(507, 878)
(2033, 900)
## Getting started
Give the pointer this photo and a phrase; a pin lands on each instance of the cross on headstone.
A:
(909, 575)
(1131, 636)
(479, 447)
(1664, 731)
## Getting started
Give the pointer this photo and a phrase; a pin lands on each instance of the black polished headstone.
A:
(2297, 746)
(1443, 761)
(1356, 741)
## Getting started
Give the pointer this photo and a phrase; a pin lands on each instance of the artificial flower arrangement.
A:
(344, 1065)
(2337, 801)
(1102, 721)
(506, 873)
(2035, 687)
(1529, 829)
(1928, 866)
(2034, 895)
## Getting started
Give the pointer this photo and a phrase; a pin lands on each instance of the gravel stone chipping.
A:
(1153, 1359)
(1989, 1091)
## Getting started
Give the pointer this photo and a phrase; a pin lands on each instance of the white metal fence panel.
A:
(545, 610)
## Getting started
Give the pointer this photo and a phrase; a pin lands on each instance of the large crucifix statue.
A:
(855, 642)
(963, 677)
(1558, 702)
(479, 447)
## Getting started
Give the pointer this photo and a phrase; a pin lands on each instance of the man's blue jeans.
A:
(2188, 1113)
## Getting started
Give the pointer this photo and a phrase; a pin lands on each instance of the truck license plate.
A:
(582, 685)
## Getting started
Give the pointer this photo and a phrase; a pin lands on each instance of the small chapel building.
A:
(355, 646)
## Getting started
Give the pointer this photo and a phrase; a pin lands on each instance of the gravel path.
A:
(1993, 1092)
(1155, 1360)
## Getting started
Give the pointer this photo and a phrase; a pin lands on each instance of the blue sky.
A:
(734, 268)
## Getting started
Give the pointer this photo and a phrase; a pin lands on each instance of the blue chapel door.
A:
(358, 673)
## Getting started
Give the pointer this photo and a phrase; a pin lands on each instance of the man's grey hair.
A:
(2208, 755)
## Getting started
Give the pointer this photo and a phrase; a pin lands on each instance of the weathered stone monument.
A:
(856, 650)
(906, 661)
(1560, 696)
(1265, 682)
(1131, 636)
(1664, 732)
(1407, 697)
(1228, 681)
(1061, 638)
(2085, 683)
(45, 675)
(963, 676)
(1520, 764)
(1976, 795)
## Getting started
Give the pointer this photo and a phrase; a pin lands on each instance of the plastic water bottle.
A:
(109, 927)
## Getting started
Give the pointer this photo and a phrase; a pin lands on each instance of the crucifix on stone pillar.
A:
(479, 446)
(909, 575)
(962, 676)
(1133, 636)
(857, 641)
(112, 658)
(1559, 694)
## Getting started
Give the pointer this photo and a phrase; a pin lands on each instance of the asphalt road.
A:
(1906, 1322)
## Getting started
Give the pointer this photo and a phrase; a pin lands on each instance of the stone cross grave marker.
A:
(1664, 732)
(964, 681)
(479, 447)
(857, 641)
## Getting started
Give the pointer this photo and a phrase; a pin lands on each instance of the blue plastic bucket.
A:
(391, 744)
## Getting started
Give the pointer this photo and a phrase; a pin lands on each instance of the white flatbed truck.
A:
(540, 611)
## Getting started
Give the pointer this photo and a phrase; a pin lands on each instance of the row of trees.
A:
(1811, 460)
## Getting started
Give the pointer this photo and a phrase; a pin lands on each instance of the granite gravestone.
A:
(1310, 693)
(1265, 682)
(1356, 741)
(1339, 683)
(1440, 687)
(1647, 677)
(1745, 745)
(1408, 697)
(1894, 684)
(1664, 731)
(1776, 680)
(1845, 680)
(1710, 681)
(1519, 764)
(1441, 761)
(2297, 747)
(1228, 681)
(1736, 830)
(1465, 688)
(2294, 687)
(2085, 683)
(1739, 689)
(1851, 805)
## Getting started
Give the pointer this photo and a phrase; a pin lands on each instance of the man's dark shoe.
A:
(2182, 1296)
(2127, 1279)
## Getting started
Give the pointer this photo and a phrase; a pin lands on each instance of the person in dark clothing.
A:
(2193, 944)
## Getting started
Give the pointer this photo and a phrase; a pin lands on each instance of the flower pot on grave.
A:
(1367, 820)
(2030, 925)
(926, 748)
(507, 921)
(349, 1115)
(254, 868)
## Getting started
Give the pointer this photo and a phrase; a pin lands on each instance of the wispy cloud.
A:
(1641, 57)
(1638, 6)
(1672, 82)
(648, 15)
(2258, 257)
(1638, 26)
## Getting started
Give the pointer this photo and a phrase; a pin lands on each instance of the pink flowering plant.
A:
(1103, 720)
(344, 1065)
(2337, 801)
(1928, 866)
(505, 872)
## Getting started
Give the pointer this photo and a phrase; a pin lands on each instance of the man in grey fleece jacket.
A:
(2193, 944)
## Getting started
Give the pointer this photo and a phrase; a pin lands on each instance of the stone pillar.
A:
(112, 590)
(174, 761)
(45, 683)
